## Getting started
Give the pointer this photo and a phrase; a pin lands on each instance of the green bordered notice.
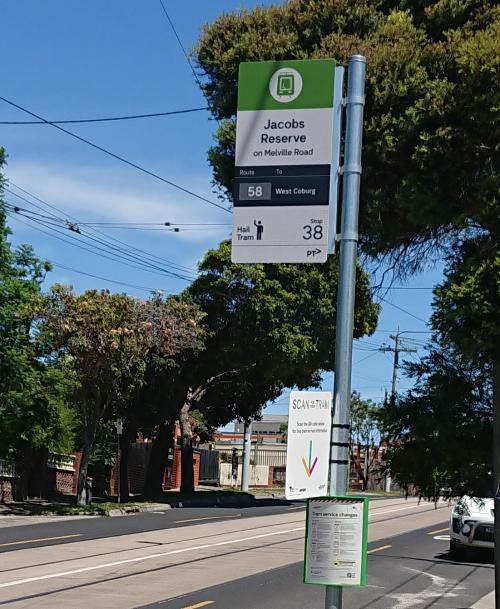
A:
(336, 541)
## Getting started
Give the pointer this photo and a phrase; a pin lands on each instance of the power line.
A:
(142, 266)
(122, 254)
(117, 156)
(115, 224)
(180, 43)
(130, 285)
(397, 349)
(401, 309)
(397, 287)
(76, 226)
(406, 331)
(77, 221)
(105, 119)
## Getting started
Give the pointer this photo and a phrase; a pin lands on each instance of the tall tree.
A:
(107, 339)
(440, 431)
(430, 159)
(268, 327)
(35, 417)
(364, 436)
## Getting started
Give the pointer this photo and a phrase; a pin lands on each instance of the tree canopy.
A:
(430, 148)
(35, 415)
(441, 430)
(107, 339)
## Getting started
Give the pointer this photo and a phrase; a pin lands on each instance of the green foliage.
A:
(466, 304)
(430, 159)
(108, 341)
(364, 416)
(268, 327)
(34, 409)
(441, 431)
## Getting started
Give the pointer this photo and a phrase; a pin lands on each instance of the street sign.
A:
(283, 161)
(336, 541)
(308, 444)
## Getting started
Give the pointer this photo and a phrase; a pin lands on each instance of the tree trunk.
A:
(24, 468)
(367, 468)
(158, 461)
(123, 481)
(41, 456)
(356, 459)
(82, 496)
(187, 466)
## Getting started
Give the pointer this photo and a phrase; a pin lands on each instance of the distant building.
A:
(271, 428)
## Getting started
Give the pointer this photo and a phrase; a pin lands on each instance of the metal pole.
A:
(339, 454)
(245, 468)
(118, 467)
(496, 476)
(396, 364)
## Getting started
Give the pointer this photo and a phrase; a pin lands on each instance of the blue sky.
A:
(69, 60)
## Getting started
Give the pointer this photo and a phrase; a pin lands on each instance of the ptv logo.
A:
(309, 467)
(314, 252)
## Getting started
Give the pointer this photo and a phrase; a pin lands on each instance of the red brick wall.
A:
(65, 482)
(177, 474)
(6, 490)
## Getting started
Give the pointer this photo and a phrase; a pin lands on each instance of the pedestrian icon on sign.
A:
(260, 229)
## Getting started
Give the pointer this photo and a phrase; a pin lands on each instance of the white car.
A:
(472, 523)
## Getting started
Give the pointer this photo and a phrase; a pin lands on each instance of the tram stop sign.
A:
(283, 161)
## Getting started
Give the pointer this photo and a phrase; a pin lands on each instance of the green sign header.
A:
(286, 85)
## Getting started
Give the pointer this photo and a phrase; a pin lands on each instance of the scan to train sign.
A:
(283, 161)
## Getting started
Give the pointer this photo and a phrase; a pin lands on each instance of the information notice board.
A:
(336, 541)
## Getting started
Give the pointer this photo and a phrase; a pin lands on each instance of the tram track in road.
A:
(178, 560)
(374, 512)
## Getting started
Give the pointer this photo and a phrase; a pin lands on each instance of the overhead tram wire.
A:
(106, 119)
(116, 156)
(77, 221)
(64, 223)
(120, 252)
(401, 309)
(174, 30)
(108, 255)
(123, 283)
(155, 224)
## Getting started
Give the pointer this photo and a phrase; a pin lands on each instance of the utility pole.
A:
(119, 431)
(247, 444)
(339, 453)
(397, 349)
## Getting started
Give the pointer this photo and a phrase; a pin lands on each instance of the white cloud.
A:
(95, 194)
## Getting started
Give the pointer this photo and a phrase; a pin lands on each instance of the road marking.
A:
(205, 518)
(198, 605)
(378, 549)
(16, 543)
(19, 582)
(297, 507)
(441, 537)
(438, 531)
(408, 507)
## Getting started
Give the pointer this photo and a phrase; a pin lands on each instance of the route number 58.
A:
(255, 191)
(312, 231)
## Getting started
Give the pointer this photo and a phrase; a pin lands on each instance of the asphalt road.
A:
(243, 559)
(73, 530)
(56, 532)
(413, 570)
